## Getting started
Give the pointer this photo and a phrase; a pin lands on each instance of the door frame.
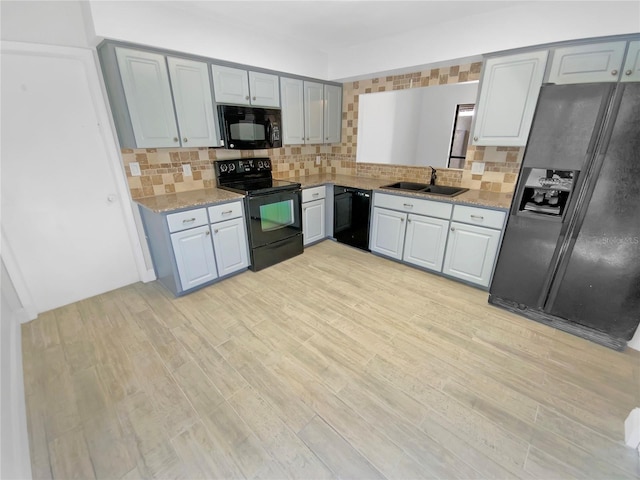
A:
(88, 57)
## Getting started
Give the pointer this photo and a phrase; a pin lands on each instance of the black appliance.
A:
(272, 209)
(570, 256)
(351, 212)
(247, 128)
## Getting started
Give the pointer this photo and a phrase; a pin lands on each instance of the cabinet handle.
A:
(453, 229)
(402, 220)
(185, 140)
(326, 138)
(408, 220)
(208, 233)
(227, 212)
(315, 194)
(247, 97)
(307, 139)
(614, 72)
(408, 205)
(215, 231)
(189, 220)
(628, 72)
(254, 98)
(479, 217)
(475, 139)
(175, 139)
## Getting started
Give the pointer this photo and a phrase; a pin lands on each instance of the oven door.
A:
(274, 217)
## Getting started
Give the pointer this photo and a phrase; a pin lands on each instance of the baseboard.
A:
(148, 276)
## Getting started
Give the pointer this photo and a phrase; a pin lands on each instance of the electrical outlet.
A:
(135, 169)
(186, 170)
(477, 168)
(317, 159)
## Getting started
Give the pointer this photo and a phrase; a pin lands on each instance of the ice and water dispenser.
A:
(546, 192)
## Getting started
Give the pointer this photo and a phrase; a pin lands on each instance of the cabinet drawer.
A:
(226, 211)
(413, 205)
(188, 219)
(314, 193)
(479, 216)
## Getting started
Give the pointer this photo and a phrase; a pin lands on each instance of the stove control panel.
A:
(242, 166)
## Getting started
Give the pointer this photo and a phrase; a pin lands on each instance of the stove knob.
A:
(259, 164)
(223, 167)
(232, 167)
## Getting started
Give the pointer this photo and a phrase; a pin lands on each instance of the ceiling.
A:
(331, 25)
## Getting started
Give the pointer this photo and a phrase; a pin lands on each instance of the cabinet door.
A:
(507, 100)
(599, 62)
(631, 69)
(146, 87)
(230, 245)
(194, 105)
(313, 112)
(332, 113)
(313, 224)
(471, 253)
(292, 97)
(425, 241)
(230, 85)
(387, 232)
(193, 252)
(265, 90)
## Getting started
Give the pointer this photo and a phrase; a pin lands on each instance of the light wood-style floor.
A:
(334, 364)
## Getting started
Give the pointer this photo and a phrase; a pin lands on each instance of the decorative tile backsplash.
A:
(162, 168)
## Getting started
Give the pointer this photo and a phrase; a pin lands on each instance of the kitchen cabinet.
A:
(145, 81)
(158, 101)
(590, 63)
(196, 247)
(314, 214)
(194, 257)
(193, 102)
(418, 238)
(242, 87)
(311, 112)
(292, 98)
(332, 114)
(472, 246)
(507, 98)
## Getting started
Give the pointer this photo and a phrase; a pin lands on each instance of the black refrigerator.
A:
(570, 256)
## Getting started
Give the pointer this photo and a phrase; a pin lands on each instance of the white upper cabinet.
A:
(508, 95)
(332, 113)
(292, 97)
(193, 102)
(233, 85)
(148, 94)
(594, 62)
(313, 112)
(264, 89)
(631, 69)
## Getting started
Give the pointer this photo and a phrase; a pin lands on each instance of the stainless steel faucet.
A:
(434, 175)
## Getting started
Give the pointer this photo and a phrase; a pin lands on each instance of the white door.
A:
(593, 62)
(387, 232)
(313, 112)
(313, 224)
(193, 252)
(66, 216)
(146, 87)
(425, 242)
(508, 95)
(264, 89)
(292, 98)
(631, 69)
(230, 245)
(471, 253)
(230, 85)
(332, 113)
(194, 105)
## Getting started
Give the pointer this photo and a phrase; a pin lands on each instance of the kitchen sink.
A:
(426, 188)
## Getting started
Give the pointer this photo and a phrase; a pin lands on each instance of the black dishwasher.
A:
(351, 211)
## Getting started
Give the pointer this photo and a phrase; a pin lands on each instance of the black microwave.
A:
(247, 128)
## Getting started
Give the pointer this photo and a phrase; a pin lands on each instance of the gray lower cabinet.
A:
(457, 240)
(196, 247)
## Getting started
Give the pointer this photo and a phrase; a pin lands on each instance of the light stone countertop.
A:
(210, 196)
(480, 198)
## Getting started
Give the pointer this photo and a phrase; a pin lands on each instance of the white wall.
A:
(525, 24)
(169, 25)
(14, 439)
